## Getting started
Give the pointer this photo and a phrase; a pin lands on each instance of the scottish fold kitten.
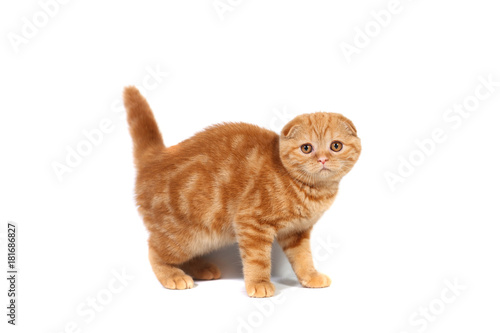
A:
(241, 183)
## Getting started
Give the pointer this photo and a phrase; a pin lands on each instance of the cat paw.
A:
(260, 289)
(317, 280)
(178, 282)
(208, 272)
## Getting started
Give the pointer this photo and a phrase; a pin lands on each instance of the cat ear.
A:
(350, 126)
(289, 130)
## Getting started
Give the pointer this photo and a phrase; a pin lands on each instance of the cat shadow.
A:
(229, 262)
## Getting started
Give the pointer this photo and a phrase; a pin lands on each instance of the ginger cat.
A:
(237, 182)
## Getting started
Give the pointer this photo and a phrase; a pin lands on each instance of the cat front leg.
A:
(297, 248)
(255, 241)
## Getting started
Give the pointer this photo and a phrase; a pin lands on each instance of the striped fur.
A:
(240, 183)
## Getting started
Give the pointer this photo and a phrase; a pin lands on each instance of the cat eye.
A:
(336, 146)
(306, 148)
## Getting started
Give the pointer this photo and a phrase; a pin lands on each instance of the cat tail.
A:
(142, 124)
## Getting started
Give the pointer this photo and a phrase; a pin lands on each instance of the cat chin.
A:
(329, 175)
(325, 172)
(323, 175)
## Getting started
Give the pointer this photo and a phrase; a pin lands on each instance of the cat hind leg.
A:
(170, 276)
(200, 269)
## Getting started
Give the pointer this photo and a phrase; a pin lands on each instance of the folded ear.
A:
(290, 130)
(350, 126)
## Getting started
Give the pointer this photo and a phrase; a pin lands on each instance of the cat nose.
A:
(323, 160)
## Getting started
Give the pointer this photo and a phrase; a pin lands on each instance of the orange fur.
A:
(240, 183)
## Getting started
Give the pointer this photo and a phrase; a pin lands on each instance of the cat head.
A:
(319, 147)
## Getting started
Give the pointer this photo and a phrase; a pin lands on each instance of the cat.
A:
(237, 182)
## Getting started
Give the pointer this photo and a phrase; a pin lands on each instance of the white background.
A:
(389, 252)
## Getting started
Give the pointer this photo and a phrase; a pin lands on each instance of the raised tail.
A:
(142, 124)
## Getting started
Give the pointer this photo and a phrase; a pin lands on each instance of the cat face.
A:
(319, 147)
